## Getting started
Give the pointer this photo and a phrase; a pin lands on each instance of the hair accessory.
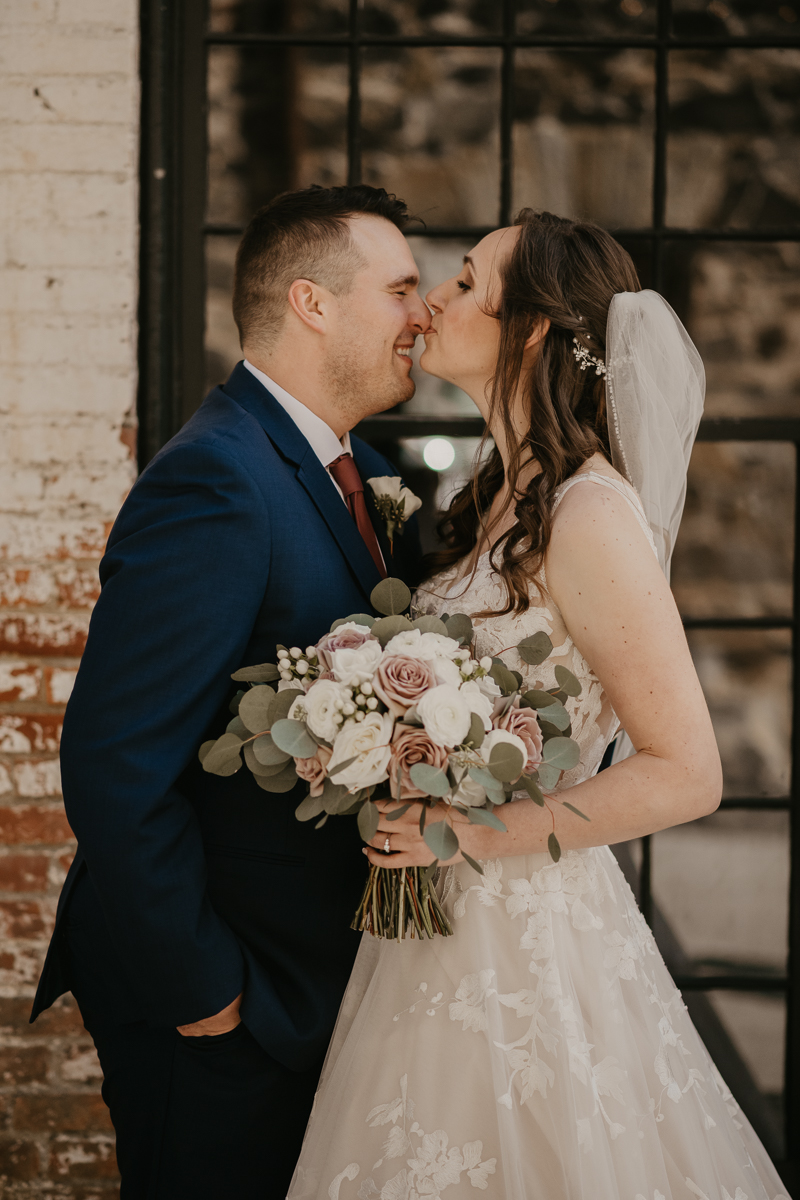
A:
(585, 359)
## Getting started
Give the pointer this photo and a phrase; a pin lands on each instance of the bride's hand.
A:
(407, 846)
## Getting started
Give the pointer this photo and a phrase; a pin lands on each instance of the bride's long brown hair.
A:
(566, 271)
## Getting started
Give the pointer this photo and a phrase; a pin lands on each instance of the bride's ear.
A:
(537, 334)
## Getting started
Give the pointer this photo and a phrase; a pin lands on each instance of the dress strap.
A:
(620, 486)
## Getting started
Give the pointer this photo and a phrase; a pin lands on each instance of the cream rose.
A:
(445, 715)
(470, 793)
(410, 746)
(433, 648)
(498, 736)
(401, 681)
(478, 702)
(354, 666)
(369, 740)
(314, 770)
(348, 636)
(522, 722)
(321, 704)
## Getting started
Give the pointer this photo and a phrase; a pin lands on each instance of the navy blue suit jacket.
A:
(232, 540)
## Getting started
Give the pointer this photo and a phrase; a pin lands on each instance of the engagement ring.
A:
(387, 849)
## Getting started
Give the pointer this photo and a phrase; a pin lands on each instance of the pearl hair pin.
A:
(585, 359)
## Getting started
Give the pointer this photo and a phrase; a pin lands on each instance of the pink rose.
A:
(522, 722)
(349, 636)
(314, 770)
(400, 682)
(411, 745)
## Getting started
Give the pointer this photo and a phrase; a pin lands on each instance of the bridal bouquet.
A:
(398, 708)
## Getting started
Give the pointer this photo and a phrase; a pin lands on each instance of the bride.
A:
(543, 1052)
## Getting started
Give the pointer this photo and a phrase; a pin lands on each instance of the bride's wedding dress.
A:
(543, 1051)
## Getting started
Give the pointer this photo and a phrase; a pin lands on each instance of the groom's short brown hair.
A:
(301, 235)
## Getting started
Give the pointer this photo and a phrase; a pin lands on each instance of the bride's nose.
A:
(435, 299)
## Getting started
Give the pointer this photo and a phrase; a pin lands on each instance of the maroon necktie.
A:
(345, 472)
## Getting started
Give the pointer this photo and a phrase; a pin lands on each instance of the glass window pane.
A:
(756, 1025)
(734, 552)
(415, 18)
(583, 134)
(735, 18)
(278, 16)
(573, 18)
(430, 130)
(746, 679)
(733, 153)
(741, 305)
(277, 120)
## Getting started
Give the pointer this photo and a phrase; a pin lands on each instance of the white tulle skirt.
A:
(541, 1053)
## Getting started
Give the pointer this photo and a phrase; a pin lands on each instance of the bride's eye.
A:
(464, 286)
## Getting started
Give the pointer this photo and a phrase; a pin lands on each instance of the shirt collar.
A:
(319, 435)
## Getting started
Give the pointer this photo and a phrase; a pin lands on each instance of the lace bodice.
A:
(594, 722)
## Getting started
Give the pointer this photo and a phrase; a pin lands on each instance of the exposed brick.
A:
(22, 919)
(43, 634)
(24, 872)
(30, 733)
(59, 682)
(34, 824)
(84, 1158)
(62, 1019)
(76, 1113)
(20, 964)
(19, 680)
(23, 1064)
(81, 1065)
(19, 1160)
(38, 778)
(25, 537)
(5, 781)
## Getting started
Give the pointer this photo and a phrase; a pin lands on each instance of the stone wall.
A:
(68, 194)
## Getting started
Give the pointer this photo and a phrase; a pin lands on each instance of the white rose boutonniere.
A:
(394, 502)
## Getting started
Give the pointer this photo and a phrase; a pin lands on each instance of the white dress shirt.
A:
(323, 441)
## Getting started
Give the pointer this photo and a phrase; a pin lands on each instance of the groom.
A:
(203, 930)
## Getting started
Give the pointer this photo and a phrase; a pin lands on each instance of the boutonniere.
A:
(394, 502)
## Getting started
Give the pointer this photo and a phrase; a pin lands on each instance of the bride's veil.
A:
(655, 386)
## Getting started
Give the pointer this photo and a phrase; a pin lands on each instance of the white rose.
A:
(470, 793)
(478, 702)
(321, 708)
(370, 739)
(352, 667)
(445, 715)
(488, 687)
(502, 735)
(413, 643)
(392, 486)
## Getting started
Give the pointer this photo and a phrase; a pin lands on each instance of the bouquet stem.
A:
(398, 900)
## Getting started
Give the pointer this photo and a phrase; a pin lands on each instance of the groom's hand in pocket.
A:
(221, 1022)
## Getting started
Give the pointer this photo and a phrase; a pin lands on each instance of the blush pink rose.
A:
(400, 682)
(347, 637)
(314, 770)
(522, 722)
(409, 746)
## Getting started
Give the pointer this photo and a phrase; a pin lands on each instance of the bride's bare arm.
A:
(621, 615)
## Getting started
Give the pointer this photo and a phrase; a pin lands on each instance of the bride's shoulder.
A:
(597, 512)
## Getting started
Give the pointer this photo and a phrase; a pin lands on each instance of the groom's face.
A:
(368, 363)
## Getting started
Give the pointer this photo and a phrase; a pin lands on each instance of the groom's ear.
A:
(311, 303)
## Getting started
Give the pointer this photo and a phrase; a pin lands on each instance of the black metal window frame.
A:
(175, 43)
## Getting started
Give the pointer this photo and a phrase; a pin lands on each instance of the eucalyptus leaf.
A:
(321, 821)
(567, 681)
(368, 818)
(555, 715)
(284, 781)
(309, 808)
(482, 816)
(535, 649)
(476, 866)
(430, 624)
(204, 749)
(255, 708)
(283, 702)
(503, 677)
(238, 727)
(354, 619)
(398, 813)
(267, 753)
(391, 596)
(234, 704)
(532, 788)
(548, 731)
(441, 840)
(562, 752)
(429, 871)
(506, 762)
(538, 699)
(476, 731)
(553, 847)
(432, 780)
(259, 768)
(265, 673)
(459, 627)
(293, 738)
(488, 782)
(224, 757)
(548, 776)
(577, 811)
(342, 766)
(385, 628)
(336, 798)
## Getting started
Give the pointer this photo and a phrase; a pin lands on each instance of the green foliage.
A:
(234, 704)
(441, 840)
(390, 596)
(476, 866)
(548, 776)
(482, 816)
(385, 628)
(255, 708)
(567, 681)
(223, 756)
(503, 677)
(354, 619)
(491, 786)
(535, 649)
(267, 753)
(336, 798)
(476, 731)
(293, 738)
(562, 752)
(431, 780)
(459, 627)
(259, 768)
(238, 727)
(533, 789)
(506, 762)
(430, 624)
(553, 847)
(577, 811)
(555, 714)
(284, 781)
(309, 808)
(368, 818)
(283, 702)
(265, 673)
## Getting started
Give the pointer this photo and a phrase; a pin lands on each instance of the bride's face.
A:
(462, 343)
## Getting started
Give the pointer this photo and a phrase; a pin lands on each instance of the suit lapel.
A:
(290, 443)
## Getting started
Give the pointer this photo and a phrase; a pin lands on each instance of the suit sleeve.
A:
(183, 580)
